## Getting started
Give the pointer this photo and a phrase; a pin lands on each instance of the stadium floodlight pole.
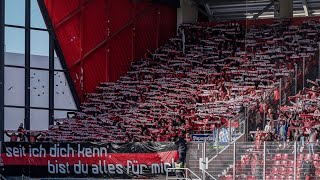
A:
(296, 78)
(303, 71)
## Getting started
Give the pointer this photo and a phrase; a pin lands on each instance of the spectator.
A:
(34, 138)
(267, 128)
(312, 140)
(282, 132)
(182, 149)
(13, 136)
(22, 133)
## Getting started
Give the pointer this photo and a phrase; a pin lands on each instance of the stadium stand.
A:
(168, 94)
(225, 67)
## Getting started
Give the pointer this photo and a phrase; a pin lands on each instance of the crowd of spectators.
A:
(23, 135)
(196, 85)
(297, 121)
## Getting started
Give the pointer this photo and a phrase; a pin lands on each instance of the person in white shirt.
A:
(312, 140)
(267, 128)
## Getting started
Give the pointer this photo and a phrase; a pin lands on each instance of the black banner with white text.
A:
(101, 160)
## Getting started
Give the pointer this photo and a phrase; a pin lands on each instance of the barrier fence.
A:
(258, 161)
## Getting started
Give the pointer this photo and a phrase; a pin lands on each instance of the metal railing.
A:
(267, 160)
(2, 177)
(181, 174)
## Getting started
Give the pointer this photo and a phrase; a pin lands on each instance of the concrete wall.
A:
(283, 8)
(187, 13)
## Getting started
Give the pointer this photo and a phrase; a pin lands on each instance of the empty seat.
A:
(285, 156)
(283, 171)
(277, 157)
(251, 178)
(307, 157)
(275, 170)
(284, 163)
(290, 163)
(290, 170)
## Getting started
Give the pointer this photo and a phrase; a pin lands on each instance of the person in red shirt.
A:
(13, 136)
(33, 138)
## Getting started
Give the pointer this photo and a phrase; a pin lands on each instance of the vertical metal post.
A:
(51, 79)
(264, 108)
(280, 92)
(230, 134)
(319, 60)
(2, 51)
(183, 42)
(204, 160)
(186, 173)
(27, 65)
(247, 121)
(303, 71)
(295, 78)
(264, 160)
(234, 161)
(218, 137)
(295, 161)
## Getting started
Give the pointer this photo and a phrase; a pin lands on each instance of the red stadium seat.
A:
(283, 171)
(290, 170)
(285, 156)
(275, 170)
(307, 157)
(300, 157)
(276, 177)
(290, 163)
(284, 163)
(277, 157)
(228, 177)
(316, 164)
(290, 177)
(251, 178)
(315, 156)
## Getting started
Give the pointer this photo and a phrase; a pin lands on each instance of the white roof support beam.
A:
(305, 7)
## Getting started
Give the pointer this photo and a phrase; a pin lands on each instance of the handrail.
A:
(2, 177)
(226, 147)
(209, 174)
(186, 169)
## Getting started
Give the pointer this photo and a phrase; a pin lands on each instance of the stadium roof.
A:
(240, 9)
